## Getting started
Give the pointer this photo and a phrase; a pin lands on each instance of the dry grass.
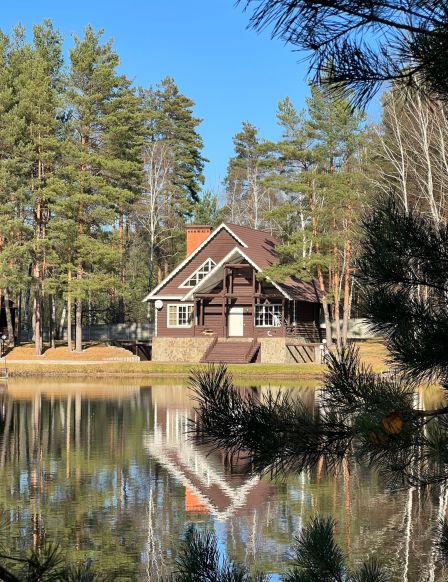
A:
(374, 353)
(94, 352)
(52, 364)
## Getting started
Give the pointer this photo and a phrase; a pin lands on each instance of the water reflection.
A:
(105, 470)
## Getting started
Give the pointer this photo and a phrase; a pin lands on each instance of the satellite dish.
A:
(158, 304)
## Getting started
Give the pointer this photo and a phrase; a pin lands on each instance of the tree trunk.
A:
(347, 292)
(37, 319)
(52, 321)
(121, 306)
(336, 295)
(9, 318)
(325, 308)
(78, 324)
(27, 313)
(69, 324)
(19, 318)
(60, 328)
(69, 313)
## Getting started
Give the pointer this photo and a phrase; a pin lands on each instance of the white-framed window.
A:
(180, 315)
(199, 274)
(268, 315)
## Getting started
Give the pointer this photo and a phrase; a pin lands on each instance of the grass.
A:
(372, 353)
(157, 369)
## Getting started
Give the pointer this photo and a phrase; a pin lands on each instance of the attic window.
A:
(199, 274)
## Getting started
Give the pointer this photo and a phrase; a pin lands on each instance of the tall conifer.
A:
(172, 138)
(15, 232)
(101, 169)
(320, 161)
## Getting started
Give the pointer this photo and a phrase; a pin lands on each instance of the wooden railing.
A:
(309, 331)
(252, 349)
(302, 353)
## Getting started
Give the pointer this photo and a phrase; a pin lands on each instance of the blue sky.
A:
(231, 73)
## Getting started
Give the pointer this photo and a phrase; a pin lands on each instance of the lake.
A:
(104, 468)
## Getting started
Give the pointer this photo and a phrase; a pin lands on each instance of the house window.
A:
(268, 315)
(180, 315)
(199, 274)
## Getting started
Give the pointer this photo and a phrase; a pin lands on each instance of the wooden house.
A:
(214, 307)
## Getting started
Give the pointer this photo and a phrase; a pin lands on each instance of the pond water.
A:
(105, 470)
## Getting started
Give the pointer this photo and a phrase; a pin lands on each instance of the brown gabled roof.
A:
(261, 250)
(301, 290)
(260, 245)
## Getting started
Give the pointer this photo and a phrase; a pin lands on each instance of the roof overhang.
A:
(215, 275)
(153, 294)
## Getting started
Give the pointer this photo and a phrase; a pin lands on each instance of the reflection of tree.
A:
(74, 470)
(66, 467)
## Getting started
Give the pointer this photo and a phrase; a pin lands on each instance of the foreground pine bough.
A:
(362, 415)
(317, 558)
(46, 564)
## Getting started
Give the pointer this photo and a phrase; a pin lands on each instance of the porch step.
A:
(233, 352)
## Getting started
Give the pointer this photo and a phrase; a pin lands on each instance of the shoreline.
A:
(95, 369)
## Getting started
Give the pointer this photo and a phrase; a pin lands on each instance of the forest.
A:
(99, 177)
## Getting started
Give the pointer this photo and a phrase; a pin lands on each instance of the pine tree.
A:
(29, 130)
(173, 167)
(101, 172)
(321, 162)
(38, 81)
(207, 211)
(14, 231)
(171, 120)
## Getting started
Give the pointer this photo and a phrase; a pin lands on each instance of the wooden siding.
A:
(162, 323)
(216, 249)
(240, 286)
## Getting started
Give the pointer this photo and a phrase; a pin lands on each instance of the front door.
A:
(235, 321)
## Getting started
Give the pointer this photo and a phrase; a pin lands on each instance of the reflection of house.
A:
(208, 487)
(214, 307)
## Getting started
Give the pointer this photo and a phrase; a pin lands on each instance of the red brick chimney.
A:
(196, 235)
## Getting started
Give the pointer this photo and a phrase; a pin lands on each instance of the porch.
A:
(240, 305)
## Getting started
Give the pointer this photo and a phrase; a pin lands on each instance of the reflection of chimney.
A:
(193, 503)
(196, 235)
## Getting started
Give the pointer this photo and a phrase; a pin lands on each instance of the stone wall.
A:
(274, 351)
(179, 349)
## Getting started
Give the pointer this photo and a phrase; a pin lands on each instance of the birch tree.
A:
(248, 195)
(413, 153)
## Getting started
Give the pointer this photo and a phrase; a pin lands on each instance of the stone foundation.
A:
(179, 349)
(274, 351)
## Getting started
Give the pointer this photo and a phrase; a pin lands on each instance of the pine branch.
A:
(318, 558)
(357, 46)
(362, 416)
(277, 434)
(199, 560)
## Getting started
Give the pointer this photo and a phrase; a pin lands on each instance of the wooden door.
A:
(236, 321)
